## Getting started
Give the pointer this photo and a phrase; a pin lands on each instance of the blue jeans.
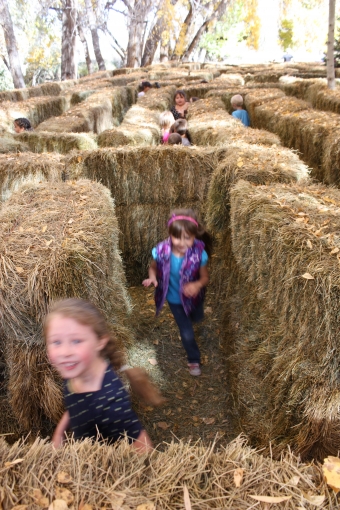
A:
(186, 330)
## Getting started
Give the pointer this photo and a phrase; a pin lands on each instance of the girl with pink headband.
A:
(179, 273)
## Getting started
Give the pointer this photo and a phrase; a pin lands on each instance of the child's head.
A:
(194, 99)
(184, 227)
(237, 101)
(166, 119)
(146, 85)
(76, 335)
(22, 124)
(180, 127)
(180, 98)
(175, 139)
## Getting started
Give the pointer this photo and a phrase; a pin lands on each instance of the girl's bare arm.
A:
(59, 433)
(143, 443)
(152, 275)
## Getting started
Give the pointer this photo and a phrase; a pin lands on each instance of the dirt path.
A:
(196, 407)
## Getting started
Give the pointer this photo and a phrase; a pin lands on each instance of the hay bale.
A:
(100, 474)
(205, 106)
(253, 163)
(98, 112)
(27, 168)
(299, 87)
(289, 234)
(44, 141)
(326, 99)
(56, 241)
(146, 183)
(158, 99)
(36, 110)
(258, 97)
(139, 127)
(8, 143)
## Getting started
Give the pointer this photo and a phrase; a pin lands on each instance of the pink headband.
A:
(187, 218)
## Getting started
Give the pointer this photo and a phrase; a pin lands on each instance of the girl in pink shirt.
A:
(166, 119)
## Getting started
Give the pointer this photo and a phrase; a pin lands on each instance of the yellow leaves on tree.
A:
(252, 23)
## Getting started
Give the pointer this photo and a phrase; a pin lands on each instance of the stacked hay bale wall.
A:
(28, 168)
(45, 89)
(285, 241)
(211, 124)
(56, 241)
(36, 110)
(63, 143)
(98, 474)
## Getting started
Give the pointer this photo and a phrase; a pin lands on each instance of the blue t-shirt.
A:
(107, 411)
(174, 281)
(243, 116)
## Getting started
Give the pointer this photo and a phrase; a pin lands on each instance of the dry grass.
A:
(285, 240)
(28, 168)
(36, 110)
(254, 98)
(56, 241)
(44, 141)
(299, 87)
(114, 477)
(9, 143)
(158, 99)
(45, 89)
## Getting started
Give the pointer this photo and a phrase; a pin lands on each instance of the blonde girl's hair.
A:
(236, 100)
(177, 227)
(87, 314)
(166, 119)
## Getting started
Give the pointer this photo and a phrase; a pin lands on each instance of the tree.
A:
(330, 46)
(94, 32)
(11, 45)
(82, 37)
(138, 11)
(68, 40)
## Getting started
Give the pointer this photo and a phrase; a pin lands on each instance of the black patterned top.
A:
(106, 411)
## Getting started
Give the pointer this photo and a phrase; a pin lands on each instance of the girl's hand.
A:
(150, 281)
(192, 289)
(57, 439)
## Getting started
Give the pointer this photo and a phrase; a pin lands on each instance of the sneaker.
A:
(194, 369)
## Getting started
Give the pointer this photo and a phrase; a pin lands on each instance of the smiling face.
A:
(181, 244)
(72, 348)
(180, 100)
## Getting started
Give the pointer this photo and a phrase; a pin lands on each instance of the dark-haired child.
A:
(179, 273)
(181, 127)
(22, 124)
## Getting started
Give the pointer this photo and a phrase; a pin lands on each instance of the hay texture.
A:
(29, 169)
(36, 110)
(158, 99)
(45, 141)
(146, 183)
(253, 98)
(45, 89)
(101, 476)
(285, 240)
(56, 241)
(299, 87)
(9, 143)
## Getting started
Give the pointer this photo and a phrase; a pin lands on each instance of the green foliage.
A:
(286, 32)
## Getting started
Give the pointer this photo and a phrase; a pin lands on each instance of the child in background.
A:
(145, 86)
(179, 273)
(80, 347)
(175, 139)
(239, 113)
(22, 124)
(181, 127)
(166, 119)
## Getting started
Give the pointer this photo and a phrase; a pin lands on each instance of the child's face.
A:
(181, 244)
(72, 348)
(18, 129)
(180, 100)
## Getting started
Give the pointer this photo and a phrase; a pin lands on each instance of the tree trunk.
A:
(86, 49)
(330, 46)
(178, 51)
(94, 33)
(138, 15)
(11, 45)
(68, 40)
(165, 50)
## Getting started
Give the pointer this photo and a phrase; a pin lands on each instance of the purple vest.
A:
(190, 272)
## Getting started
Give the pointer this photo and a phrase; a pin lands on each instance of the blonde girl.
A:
(81, 348)
(166, 119)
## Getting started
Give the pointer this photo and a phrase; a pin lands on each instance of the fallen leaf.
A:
(208, 309)
(70, 221)
(208, 421)
(308, 276)
(152, 361)
(314, 499)
(83, 197)
(19, 269)
(19, 507)
(238, 477)
(163, 425)
(65, 494)
(150, 301)
(335, 250)
(294, 480)
(63, 477)
(58, 504)
(86, 507)
(146, 506)
(44, 228)
(331, 471)
(156, 342)
(240, 164)
(13, 462)
(36, 494)
(79, 158)
(43, 502)
(271, 499)
(48, 242)
(27, 251)
(309, 244)
(187, 503)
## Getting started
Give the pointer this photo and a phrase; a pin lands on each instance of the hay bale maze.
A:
(85, 197)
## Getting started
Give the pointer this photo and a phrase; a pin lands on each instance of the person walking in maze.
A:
(146, 86)
(81, 348)
(239, 113)
(179, 273)
(22, 124)
(180, 108)
(166, 119)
